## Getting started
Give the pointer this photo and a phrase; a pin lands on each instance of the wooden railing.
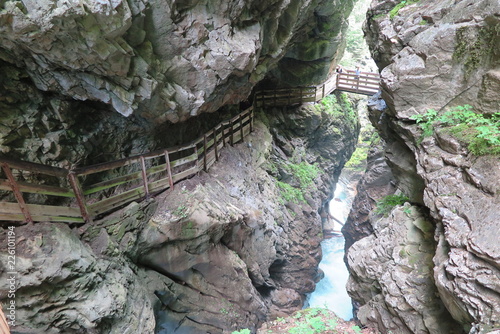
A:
(101, 188)
(34, 192)
(366, 83)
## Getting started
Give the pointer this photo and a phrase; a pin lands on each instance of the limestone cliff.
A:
(159, 62)
(432, 266)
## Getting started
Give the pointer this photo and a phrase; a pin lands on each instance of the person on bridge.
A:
(339, 69)
(358, 72)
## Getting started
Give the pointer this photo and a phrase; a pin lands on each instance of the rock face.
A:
(434, 55)
(224, 250)
(158, 62)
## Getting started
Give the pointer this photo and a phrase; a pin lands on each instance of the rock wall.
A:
(157, 62)
(433, 55)
(224, 250)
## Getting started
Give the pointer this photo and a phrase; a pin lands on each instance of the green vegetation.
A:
(330, 105)
(305, 174)
(480, 132)
(312, 322)
(356, 329)
(400, 5)
(358, 158)
(290, 194)
(242, 331)
(181, 211)
(338, 107)
(387, 203)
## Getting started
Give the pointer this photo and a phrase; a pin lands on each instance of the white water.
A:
(330, 291)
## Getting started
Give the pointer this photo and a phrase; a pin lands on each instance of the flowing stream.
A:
(330, 291)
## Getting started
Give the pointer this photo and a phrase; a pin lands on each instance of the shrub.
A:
(387, 203)
(400, 5)
(480, 132)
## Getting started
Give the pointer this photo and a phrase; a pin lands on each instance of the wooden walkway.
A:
(99, 189)
(347, 81)
(125, 180)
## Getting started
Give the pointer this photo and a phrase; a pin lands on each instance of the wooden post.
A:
(216, 144)
(169, 170)
(80, 199)
(323, 94)
(144, 176)
(300, 91)
(231, 139)
(251, 120)
(315, 92)
(241, 127)
(17, 193)
(337, 80)
(223, 134)
(205, 152)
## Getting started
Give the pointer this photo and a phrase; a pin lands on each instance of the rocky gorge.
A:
(92, 81)
(432, 265)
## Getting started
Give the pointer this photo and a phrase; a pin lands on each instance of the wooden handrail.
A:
(142, 179)
(367, 84)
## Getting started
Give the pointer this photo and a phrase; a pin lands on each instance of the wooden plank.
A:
(10, 208)
(116, 201)
(184, 174)
(144, 176)
(205, 153)
(96, 187)
(17, 194)
(34, 167)
(185, 160)
(159, 185)
(26, 187)
(51, 210)
(102, 167)
(58, 219)
(80, 198)
(41, 210)
(12, 212)
(169, 169)
(11, 217)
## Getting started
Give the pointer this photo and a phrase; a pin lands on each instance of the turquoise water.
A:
(330, 291)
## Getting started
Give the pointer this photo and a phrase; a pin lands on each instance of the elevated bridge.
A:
(366, 83)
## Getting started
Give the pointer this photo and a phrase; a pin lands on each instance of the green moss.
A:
(475, 47)
(304, 174)
(290, 194)
(358, 158)
(397, 8)
(387, 203)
